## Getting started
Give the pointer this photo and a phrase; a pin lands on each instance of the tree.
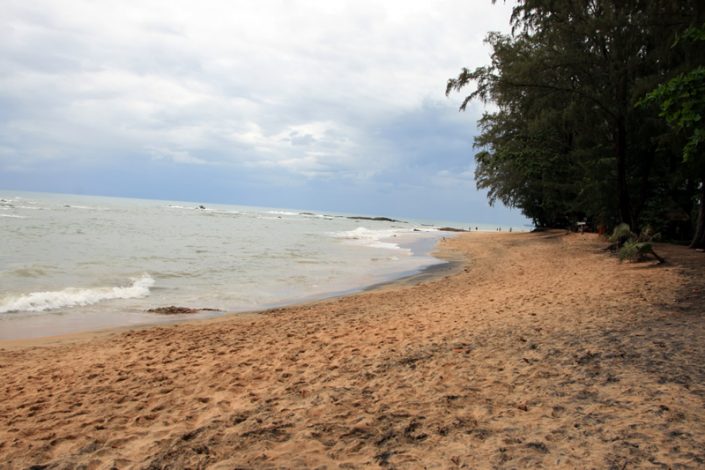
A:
(565, 83)
(682, 104)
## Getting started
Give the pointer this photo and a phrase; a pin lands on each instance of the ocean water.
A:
(78, 263)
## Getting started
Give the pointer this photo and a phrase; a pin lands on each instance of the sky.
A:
(322, 105)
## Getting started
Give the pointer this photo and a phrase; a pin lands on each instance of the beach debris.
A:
(451, 229)
(174, 310)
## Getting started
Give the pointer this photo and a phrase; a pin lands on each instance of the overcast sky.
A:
(324, 105)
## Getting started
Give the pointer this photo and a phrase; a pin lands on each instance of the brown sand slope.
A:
(544, 352)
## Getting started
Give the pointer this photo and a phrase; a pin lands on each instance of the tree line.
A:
(598, 114)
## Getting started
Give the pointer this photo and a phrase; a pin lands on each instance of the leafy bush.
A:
(628, 252)
(648, 234)
(631, 247)
(621, 234)
(634, 251)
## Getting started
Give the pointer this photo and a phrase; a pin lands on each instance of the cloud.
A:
(177, 156)
(347, 91)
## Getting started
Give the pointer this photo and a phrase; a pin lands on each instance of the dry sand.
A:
(543, 351)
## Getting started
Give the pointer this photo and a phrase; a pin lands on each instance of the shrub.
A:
(648, 234)
(636, 251)
(628, 252)
(631, 247)
(621, 234)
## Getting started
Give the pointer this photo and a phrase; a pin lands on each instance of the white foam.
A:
(13, 216)
(73, 206)
(298, 214)
(281, 213)
(189, 208)
(204, 209)
(176, 206)
(315, 216)
(73, 296)
(373, 238)
(222, 211)
(19, 203)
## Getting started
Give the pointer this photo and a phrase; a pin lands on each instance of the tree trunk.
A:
(646, 164)
(699, 237)
(622, 188)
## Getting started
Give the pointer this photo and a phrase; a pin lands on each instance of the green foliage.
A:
(629, 251)
(632, 247)
(635, 251)
(621, 233)
(682, 104)
(566, 140)
(681, 101)
(648, 234)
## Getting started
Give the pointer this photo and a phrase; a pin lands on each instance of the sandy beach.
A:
(541, 351)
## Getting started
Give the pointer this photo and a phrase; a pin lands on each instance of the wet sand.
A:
(543, 351)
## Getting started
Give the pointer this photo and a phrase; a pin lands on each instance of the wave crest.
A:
(74, 297)
(373, 238)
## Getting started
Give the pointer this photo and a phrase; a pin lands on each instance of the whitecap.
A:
(75, 206)
(372, 238)
(74, 297)
(282, 213)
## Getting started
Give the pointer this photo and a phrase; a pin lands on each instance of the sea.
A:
(81, 263)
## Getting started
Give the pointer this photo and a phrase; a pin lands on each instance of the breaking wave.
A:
(74, 297)
(373, 238)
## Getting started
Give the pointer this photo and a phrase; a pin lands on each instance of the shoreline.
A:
(227, 258)
(541, 351)
(449, 263)
(420, 248)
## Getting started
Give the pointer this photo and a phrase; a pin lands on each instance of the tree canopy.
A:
(572, 135)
